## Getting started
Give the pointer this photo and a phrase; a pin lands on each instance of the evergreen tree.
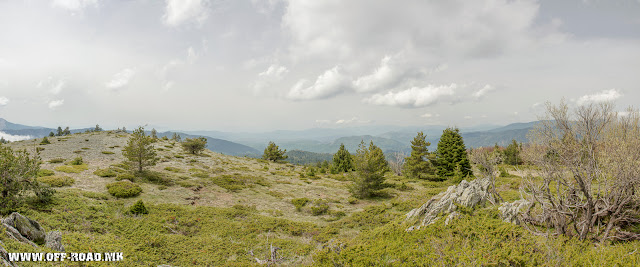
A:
(66, 131)
(451, 155)
(154, 134)
(3, 141)
(45, 141)
(97, 129)
(138, 208)
(370, 166)
(176, 137)
(194, 145)
(273, 153)
(51, 134)
(59, 131)
(139, 150)
(342, 160)
(417, 165)
(512, 153)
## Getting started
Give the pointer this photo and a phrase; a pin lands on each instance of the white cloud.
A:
(383, 76)
(120, 79)
(4, 101)
(54, 104)
(183, 11)
(55, 85)
(426, 115)
(191, 55)
(603, 96)
(468, 117)
(330, 83)
(413, 97)
(483, 91)
(347, 121)
(14, 138)
(274, 71)
(74, 5)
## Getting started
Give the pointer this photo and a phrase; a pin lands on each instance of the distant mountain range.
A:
(320, 143)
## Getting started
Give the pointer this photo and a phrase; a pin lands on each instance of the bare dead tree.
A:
(589, 164)
(487, 165)
(397, 161)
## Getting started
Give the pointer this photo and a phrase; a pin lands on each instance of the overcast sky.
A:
(252, 65)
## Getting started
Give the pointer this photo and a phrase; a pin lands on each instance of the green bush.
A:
(45, 172)
(45, 141)
(57, 160)
(124, 189)
(105, 173)
(125, 176)
(108, 152)
(72, 168)
(138, 208)
(76, 161)
(320, 206)
(172, 169)
(299, 202)
(56, 181)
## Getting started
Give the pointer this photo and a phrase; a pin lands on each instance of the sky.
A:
(261, 65)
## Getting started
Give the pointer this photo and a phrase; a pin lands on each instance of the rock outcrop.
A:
(510, 210)
(53, 240)
(466, 194)
(25, 227)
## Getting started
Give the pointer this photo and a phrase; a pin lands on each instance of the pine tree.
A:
(51, 134)
(512, 153)
(417, 164)
(66, 131)
(194, 145)
(451, 155)
(370, 166)
(45, 141)
(139, 150)
(59, 131)
(138, 208)
(154, 134)
(18, 171)
(342, 160)
(273, 153)
(176, 137)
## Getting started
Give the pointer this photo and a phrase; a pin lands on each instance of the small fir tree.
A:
(139, 150)
(194, 145)
(342, 160)
(451, 155)
(273, 153)
(417, 165)
(370, 166)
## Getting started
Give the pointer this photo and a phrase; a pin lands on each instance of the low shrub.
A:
(76, 161)
(172, 169)
(57, 160)
(105, 173)
(138, 208)
(125, 176)
(320, 206)
(124, 189)
(299, 202)
(108, 152)
(56, 181)
(45, 172)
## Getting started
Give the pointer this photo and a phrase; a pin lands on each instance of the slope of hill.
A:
(212, 209)
(219, 145)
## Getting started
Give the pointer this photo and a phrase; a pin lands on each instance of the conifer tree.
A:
(194, 145)
(512, 153)
(154, 134)
(273, 153)
(417, 164)
(45, 141)
(66, 131)
(370, 166)
(342, 160)
(97, 129)
(451, 155)
(51, 134)
(139, 150)
(59, 131)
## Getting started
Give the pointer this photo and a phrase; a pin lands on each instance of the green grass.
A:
(56, 181)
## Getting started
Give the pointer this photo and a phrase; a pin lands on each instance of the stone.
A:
(466, 194)
(53, 240)
(509, 211)
(28, 228)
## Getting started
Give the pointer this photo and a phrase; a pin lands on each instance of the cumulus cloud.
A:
(54, 104)
(483, 91)
(330, 83)
(120, 79)
(603, 96)
(477, 28)
(74, 5)
(3, 101)
(183, 11)
(383, 76)
(413, 97)
(13, 138)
